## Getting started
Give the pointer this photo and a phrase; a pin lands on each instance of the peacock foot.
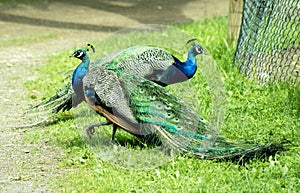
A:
(113, 142)
(90, 129)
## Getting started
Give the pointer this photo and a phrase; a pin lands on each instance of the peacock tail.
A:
(144, 108)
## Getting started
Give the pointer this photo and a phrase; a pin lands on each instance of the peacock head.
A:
(80, 54)
(196, 47)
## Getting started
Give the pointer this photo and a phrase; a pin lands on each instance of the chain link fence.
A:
(269, 42)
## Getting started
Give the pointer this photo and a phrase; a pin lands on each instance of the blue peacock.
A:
(153, 63)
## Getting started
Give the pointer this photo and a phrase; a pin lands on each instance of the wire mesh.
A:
(269, 43)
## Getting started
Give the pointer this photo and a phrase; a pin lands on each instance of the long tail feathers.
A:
(221, 149)
(45, 111)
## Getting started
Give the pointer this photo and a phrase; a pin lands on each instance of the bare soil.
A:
(31, 31)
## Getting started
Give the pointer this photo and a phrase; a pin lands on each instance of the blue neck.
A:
(189, 67)
(179, 71)
(81, 70)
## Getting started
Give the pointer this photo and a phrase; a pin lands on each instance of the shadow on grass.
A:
(146, 12)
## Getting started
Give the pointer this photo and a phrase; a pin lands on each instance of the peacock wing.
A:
(145, 61)
(105, 94)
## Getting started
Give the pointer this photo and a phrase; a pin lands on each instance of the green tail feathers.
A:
(60, 101)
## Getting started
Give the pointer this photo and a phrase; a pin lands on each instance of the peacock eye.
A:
(168, 115)
(176, 120)
(179, 127)
(159, 106)
(168, 107)
(141, 90)
(188, 121)
(80, 54)
(189, 110)
(199, 50)
(152, 97)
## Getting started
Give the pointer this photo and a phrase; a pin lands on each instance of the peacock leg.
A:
(115, 127)
(90, 130)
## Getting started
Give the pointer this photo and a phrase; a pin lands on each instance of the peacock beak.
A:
(200, 50)
(204, 52)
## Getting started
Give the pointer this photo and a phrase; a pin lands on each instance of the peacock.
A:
(143, 108)
(153, 63)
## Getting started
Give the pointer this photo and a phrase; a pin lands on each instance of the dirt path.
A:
(28, 32)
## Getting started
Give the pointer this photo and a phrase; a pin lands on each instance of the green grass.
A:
(20, 41)
(254, 112)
